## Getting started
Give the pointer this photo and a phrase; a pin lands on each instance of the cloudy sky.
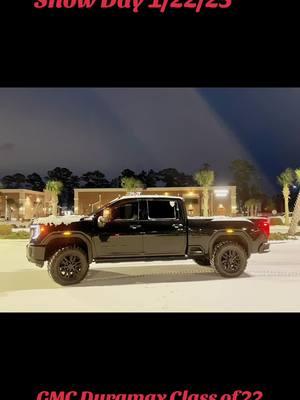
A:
(112, 129)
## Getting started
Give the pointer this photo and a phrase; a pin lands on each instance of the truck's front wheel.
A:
(229, 259)
(68, 266)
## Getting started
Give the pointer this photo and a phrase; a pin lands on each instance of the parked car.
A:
(143, 228)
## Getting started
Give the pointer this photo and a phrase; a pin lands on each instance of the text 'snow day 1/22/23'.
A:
(134, 5)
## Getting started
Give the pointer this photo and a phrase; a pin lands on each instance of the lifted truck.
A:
(142, 228)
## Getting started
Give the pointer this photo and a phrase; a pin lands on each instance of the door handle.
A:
(135, 226)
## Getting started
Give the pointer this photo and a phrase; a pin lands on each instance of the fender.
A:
(73, 235)
(230, 236)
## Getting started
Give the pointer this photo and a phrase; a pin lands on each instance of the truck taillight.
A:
(264, 226)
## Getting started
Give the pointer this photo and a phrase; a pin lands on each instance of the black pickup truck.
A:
(142, 228)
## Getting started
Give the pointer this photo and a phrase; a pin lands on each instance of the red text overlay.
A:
(134, 5)
(238, 394)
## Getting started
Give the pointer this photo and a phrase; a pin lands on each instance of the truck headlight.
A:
(35, 231)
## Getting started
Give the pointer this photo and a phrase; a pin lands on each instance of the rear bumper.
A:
(264, 248)
(35, 254)
(261, 244)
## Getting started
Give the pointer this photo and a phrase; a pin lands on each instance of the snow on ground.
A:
(271, 283)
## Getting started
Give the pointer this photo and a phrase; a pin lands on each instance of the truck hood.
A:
(52, 220)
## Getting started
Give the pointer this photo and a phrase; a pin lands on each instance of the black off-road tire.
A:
(229, 259)
(202, 261)
(68, 266)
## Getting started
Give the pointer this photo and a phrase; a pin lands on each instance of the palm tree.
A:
(296, 213)
(130, 183)
(252, 206)
(205, 177)
(55, 188)
(285, 179)
(249, 204)
(1, 187)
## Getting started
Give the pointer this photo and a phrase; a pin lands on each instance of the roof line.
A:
(21, 190)
(155, 188)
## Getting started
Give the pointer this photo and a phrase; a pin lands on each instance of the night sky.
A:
(113, 129)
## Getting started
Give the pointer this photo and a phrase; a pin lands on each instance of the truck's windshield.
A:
(99, 211)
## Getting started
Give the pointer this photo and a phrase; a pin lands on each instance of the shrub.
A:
(16, 235)
(281, 236)
(5, 229)
(276, 221)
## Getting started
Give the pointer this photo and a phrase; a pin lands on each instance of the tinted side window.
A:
(125, 211)
(143, 213)
(163, 209)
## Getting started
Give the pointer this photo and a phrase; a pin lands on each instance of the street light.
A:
(6, 215)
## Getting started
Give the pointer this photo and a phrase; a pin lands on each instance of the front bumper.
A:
(35, 254)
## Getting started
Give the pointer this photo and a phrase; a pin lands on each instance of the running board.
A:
(133, 259)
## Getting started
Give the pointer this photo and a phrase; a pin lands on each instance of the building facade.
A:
(222, 200)
(23, 204)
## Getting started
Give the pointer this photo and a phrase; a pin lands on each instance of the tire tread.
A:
(56, 255)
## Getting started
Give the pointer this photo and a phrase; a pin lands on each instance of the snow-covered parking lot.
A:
(271, 283)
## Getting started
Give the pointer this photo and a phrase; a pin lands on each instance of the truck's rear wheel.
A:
(229, 259)
(68, 266)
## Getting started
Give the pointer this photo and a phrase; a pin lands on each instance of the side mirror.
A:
(101, 221)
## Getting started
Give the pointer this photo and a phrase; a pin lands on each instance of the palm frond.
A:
(286, 178)
(54, 187)
(297, 173)
(205, 177)
(131, 183)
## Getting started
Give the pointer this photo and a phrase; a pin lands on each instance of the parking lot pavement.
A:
(271, 283)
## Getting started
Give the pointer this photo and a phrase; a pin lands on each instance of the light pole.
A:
(6, 215)
(21, 212)
(98, 203)
(37, 207)
(60, 210)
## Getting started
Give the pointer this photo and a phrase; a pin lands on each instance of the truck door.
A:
(164, 227)
(121, 235)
